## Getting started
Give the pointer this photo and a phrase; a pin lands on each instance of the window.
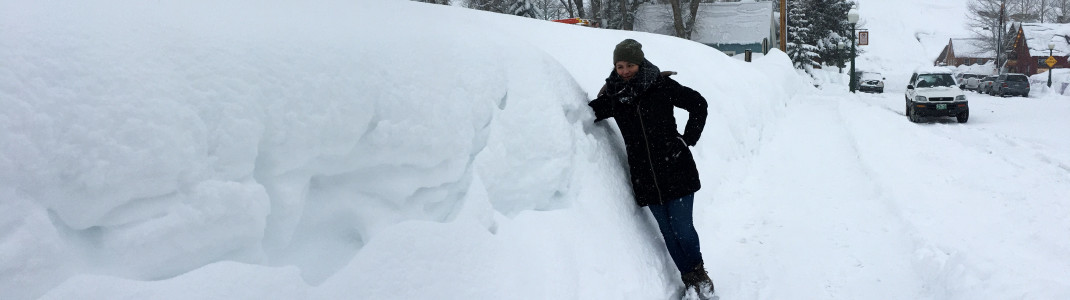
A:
(931, 80)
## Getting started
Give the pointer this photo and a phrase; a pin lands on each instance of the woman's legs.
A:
(677, 227)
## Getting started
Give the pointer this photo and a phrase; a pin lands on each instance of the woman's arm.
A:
(695, 105)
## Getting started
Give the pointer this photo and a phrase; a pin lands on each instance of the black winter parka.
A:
(661, 165)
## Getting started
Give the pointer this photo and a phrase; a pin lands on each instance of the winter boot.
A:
(700, 281)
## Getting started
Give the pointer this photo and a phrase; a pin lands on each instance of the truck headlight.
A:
(960, 98)
(920, 99)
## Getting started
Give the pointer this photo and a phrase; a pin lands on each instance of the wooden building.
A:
(1029, 48)
(959, 52)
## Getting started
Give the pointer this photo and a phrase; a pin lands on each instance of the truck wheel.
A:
(963, 116)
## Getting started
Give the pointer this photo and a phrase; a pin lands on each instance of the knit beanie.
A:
(629, 50)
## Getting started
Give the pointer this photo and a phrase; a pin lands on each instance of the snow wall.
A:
(141, 141)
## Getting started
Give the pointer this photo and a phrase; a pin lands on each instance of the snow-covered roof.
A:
(1037, 36)
(933, 45)
(716, 23)
(972, 48)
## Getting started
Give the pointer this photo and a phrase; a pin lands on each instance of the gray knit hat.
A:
(629, 50)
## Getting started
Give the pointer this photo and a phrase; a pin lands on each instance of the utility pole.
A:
(999, 37)
(784, 25)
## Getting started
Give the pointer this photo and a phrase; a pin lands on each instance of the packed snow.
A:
(385, 149)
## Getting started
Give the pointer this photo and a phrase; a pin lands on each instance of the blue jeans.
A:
(677, 227)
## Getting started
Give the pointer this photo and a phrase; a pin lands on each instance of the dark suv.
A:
(1011, 84)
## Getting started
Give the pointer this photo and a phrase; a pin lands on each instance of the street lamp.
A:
(1051, 46)
(839, 47)
(852, 17)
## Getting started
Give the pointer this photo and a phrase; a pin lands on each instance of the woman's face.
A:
(626, 70)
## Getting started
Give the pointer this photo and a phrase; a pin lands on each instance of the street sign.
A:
(863, 38)
(1050, 61)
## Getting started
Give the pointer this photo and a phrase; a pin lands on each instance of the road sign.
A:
(863, 38)
(1050, 61)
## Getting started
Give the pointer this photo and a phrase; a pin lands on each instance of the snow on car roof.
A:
(872, 75)
(932, 70)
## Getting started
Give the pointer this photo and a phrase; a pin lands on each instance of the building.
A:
(732, 27)
(1029, 48)
(932, 45)
(959, 52)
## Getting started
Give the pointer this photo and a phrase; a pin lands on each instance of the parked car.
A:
(933, 92)
(1011, 84)
(986, 84)
(973, 82)
(871, 82)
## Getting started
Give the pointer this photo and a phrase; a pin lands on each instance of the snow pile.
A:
(309, 145)
(988, 68)
(1060, 80)
(400, 150)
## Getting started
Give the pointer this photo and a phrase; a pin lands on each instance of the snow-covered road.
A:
(847, 191)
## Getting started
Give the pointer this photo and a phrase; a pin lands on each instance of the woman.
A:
(641, 99)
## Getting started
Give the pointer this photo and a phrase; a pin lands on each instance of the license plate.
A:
(941, 106)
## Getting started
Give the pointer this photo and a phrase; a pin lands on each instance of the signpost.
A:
(1051, 62)
(863, 37)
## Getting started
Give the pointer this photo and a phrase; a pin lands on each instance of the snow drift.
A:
(331, 144)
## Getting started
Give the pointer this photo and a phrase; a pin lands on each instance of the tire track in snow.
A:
(929, 259)
(955, 253)
(808, 215)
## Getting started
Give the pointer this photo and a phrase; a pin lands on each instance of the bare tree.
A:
(983, 19)
(684, 28)
(497, 6)
(627, 14)
(1024, 11)
(596, 11)
(1060, 10)
(567, 4)
(551, 9)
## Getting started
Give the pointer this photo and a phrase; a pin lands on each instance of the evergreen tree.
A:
(828, 19)
(800, 47)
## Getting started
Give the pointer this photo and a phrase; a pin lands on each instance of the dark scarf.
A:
(626, 91)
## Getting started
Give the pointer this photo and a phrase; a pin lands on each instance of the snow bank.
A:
(1060, 80)
(334, 144)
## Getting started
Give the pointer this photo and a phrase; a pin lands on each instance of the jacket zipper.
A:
(649, 158)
